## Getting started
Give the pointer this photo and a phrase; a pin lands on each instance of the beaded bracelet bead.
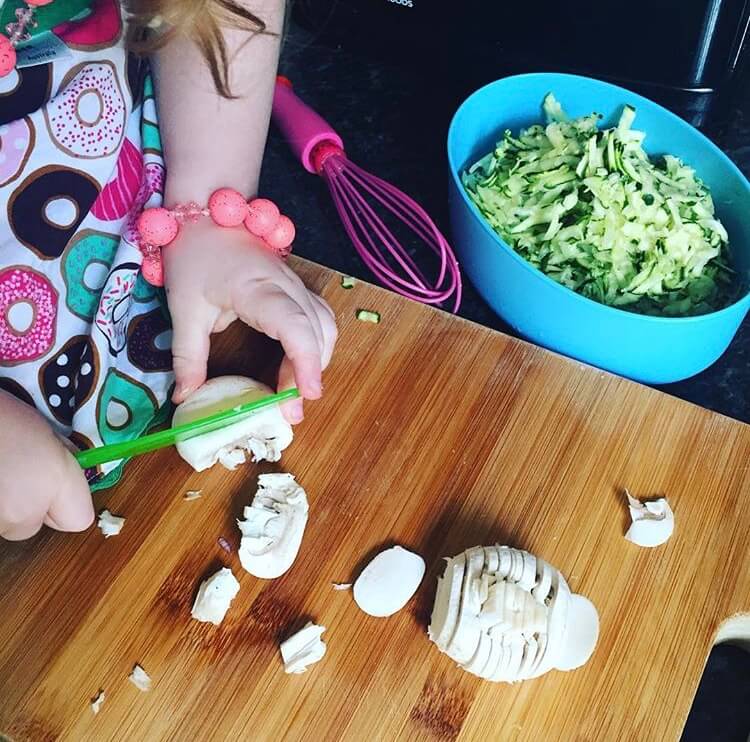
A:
(17, 31)
(158, 227)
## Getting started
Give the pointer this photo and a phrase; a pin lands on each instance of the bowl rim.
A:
(454, 173)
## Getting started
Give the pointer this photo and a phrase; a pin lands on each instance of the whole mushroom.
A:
(264, 434)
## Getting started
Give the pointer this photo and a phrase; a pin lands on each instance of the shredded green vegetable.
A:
(590, 209)
(347, 282)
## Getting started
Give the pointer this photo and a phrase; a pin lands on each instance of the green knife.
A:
(163, 438)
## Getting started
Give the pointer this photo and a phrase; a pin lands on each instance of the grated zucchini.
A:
(589, 208)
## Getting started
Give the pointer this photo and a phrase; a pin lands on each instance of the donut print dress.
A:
(83, 337)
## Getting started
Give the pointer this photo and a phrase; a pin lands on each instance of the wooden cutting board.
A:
(436, 434)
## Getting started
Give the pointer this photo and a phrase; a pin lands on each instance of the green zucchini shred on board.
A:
(347, 282)
(590, 209)
(367, 315)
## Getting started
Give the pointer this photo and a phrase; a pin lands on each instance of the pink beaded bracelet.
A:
(158, 227)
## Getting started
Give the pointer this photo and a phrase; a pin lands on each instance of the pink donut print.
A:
(97, 31)
(119, 195)
(28, 315)
(86, 119)
(16, 143)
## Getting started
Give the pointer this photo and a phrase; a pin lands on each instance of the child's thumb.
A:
(190, 347)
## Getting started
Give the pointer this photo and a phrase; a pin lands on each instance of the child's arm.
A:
(212, 275)
(212, 142)
(40, 482)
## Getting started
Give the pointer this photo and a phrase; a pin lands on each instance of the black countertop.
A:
(393, 121)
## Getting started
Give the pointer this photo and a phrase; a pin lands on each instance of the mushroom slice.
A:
(495, 660)
(387, 583)
(273, 527)
(530, 650)
(556, 622)
(303, 649)
(540, 652)
(541, 590)
(478, 662)
(491, 559)
(465, 639)
(214, 597)
(447, 602)
(265, 433)
(581, 634)
(514, 651)
(505, 561)
(653, 522)
(527, 580)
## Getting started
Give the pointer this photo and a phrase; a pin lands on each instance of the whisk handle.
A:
(302, 127)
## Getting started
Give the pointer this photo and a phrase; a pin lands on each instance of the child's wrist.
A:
(225, 207)
(183, 188)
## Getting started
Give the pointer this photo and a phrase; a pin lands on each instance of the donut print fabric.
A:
(24, 91)
(28, 315)
(85, 267)
(83, 337)
(68, 379)
(16, 143)
(118, 196)
(98, 31)
(48, 207)
(86, 119)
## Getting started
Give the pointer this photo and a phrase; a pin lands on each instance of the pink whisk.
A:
(321, 151)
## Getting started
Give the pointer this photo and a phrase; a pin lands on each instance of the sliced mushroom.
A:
(505, 615)
(273, 526)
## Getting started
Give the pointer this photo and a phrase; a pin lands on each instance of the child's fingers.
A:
(306, 300)
(293, 411)
(305, 358)
(192, 322)
(272, 311)
(21, 531)
(328, 327)
(71, 509)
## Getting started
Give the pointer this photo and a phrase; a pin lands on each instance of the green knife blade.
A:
(163, 438)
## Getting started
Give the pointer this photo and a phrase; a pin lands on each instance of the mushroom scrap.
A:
(215, 596)
(653, 522)
(506, 615)
(303, 649)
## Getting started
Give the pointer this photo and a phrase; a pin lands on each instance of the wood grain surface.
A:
(436, 434)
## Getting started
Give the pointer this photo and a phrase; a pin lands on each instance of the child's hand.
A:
(212, 277)
(40, 482)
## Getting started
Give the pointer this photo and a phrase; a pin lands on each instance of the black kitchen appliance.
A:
(687, 55)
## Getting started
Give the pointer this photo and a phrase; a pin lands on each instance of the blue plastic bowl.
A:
(653, 350)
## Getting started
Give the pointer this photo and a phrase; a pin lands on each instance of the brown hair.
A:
(200, 20)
